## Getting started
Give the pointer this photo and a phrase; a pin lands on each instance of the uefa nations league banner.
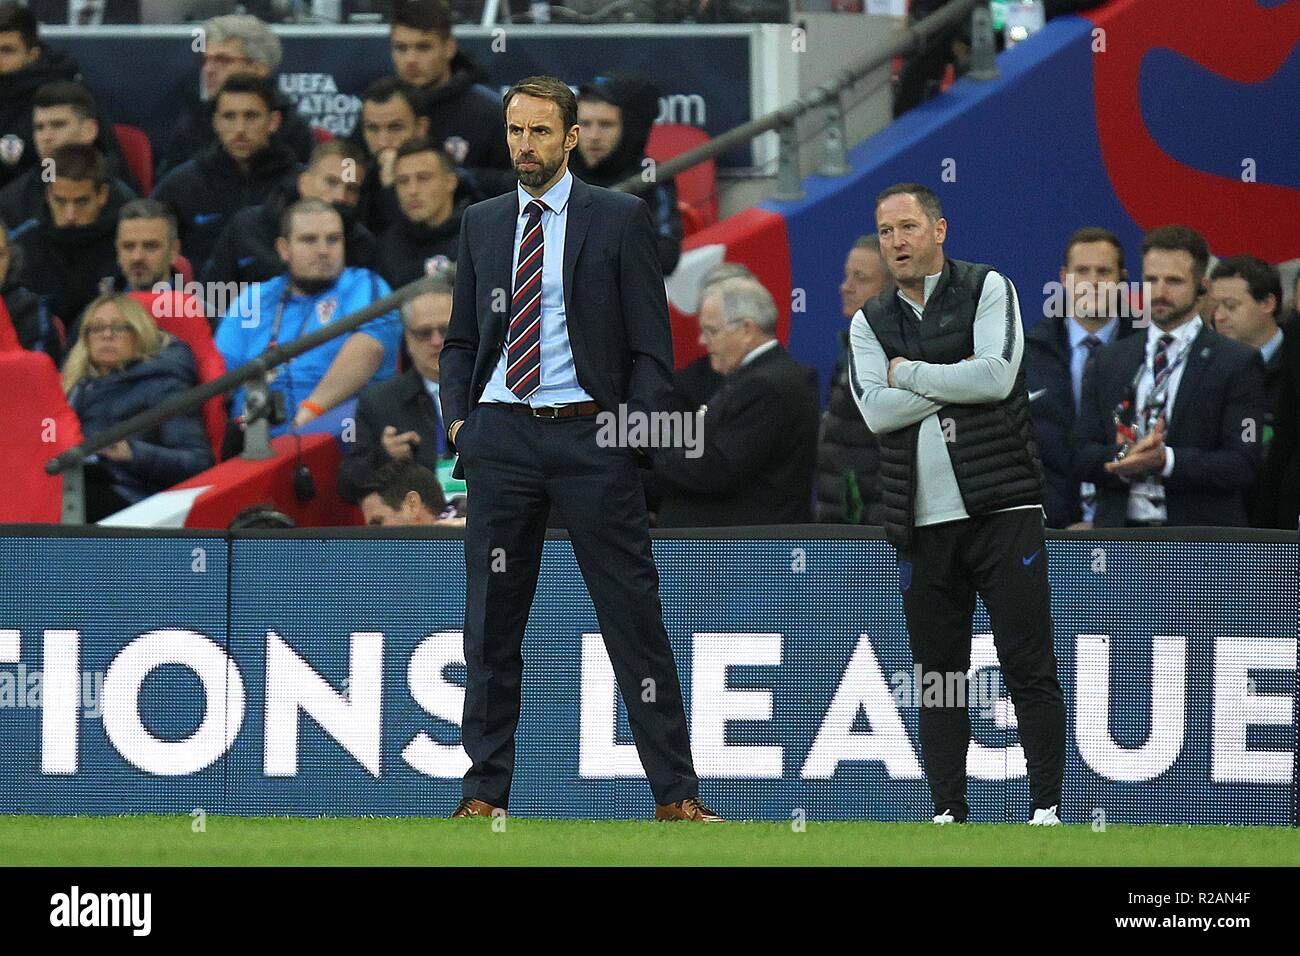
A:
(326, 69)
(274, 674)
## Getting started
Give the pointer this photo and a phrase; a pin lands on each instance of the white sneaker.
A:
(945, 817)
(1042, 818)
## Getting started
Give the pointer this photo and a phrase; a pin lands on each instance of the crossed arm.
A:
(894, 398)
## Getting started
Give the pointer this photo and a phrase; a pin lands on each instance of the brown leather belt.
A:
(556, 411)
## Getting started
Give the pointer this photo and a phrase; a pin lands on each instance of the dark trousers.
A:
(1000, 557)
(517, 468)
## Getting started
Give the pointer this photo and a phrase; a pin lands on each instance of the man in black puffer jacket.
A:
(27, 64)
(242, 169)
(848, 456)
(70, 256)
(63, 113)
(237, 43)
(615, 115)
(428, 229)
(245, 251)
(465, 117)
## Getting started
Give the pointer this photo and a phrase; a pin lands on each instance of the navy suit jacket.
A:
(614, 300)
(1215, 460)
(1047, 370)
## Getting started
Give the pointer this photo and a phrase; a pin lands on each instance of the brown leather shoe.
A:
(469, 807)
(688, 809)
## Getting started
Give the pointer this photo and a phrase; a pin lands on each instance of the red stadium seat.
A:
(692, 219)
(184, 269)
(138, 153)
(183, 316)
(31, 432)
(697, 186)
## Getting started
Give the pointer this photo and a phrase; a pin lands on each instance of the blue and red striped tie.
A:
(524, 339)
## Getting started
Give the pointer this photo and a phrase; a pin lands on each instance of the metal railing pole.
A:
(74, 495)
(983, 45)
(789, 183)
(835, 151)
(257, 419)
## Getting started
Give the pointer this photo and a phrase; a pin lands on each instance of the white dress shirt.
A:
(1140, 507)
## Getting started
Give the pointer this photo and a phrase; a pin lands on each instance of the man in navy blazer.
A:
(1198, 464)
(559, 314)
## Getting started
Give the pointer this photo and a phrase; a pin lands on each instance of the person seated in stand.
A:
(427, 234)
(402, 494)
(400, 419)
(245, 250)
(69, 257)
(314, 290)
(120, 366)
(147, 244)
(244, 167)
(615, 115)
(34, 327)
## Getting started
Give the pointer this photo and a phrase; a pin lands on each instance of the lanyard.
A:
(279, 315)
(1156, 398)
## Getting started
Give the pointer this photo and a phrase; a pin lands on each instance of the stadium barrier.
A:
(321, 673)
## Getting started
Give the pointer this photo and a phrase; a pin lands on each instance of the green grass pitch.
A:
(280, 841)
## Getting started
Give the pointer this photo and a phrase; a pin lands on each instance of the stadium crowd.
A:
(286, 229)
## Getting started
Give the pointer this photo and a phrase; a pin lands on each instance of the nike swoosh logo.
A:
(1030, 560)
(1037, 394)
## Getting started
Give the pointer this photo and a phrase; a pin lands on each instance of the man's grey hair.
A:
(443, 282)
(871, 242)
(743, 297)
(260, 44)
(722, 272)
(146, 208)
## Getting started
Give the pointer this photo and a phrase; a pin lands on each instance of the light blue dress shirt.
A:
(559, 385)
(1079, 352)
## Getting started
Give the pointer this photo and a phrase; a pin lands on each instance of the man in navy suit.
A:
(1199, 394)
(559, 313)
(1058, 350)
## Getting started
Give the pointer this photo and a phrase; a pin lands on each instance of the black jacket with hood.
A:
(638, 100)
(192, 132)
(17, 90)
(406, 248)
(206, 192)
(69, 266)
(245, 250)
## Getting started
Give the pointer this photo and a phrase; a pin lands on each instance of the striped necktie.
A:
(524, 340)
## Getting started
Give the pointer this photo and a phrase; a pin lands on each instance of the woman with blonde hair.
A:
(123, 364)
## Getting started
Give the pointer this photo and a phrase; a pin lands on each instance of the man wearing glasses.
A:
(399, 420)
(232, 44)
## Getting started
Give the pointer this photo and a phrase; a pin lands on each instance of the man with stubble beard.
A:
(582, 327)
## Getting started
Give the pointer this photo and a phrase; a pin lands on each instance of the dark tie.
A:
(1093, 343)
(524, 340)
(1162, 356)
